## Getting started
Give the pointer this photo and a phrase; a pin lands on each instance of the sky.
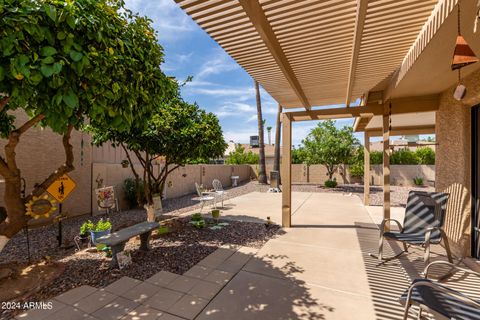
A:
(219, 84)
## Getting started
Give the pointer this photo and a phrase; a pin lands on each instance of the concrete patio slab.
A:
(41, 314)
(115, 309)
(143, 313)
(163, 299)
(70, 313)
(122, 285)
(205, 289)
(94, 301)
(257, 206)
(162, 278)
(188, 306)
(182, 284)
(198, 272)
(74, 295)
(141, 292)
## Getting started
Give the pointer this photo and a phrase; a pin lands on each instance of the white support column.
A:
(286, 171)
(366, 169)
(386, 168)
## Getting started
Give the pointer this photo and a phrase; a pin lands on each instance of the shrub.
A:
(331, 183)
(197, 220)
(356, 170)
(425, 155)
(404, 156)
(132, 190)
(418, 181)
(376, 157)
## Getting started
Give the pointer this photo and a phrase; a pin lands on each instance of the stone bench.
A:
(118, 239)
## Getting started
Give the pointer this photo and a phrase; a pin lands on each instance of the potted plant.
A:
(215, 214)
(102, 228)
(85, 229)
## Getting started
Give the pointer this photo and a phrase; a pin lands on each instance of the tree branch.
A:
(30, 123)
(3, 102)
(130, 161)
(63, 169)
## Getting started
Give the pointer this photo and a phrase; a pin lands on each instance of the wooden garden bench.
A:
(117, 240)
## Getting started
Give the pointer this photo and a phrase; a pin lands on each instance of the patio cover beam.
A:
(357, 40)
(254, 11)
(399, 106)
(403, 131)
(438, 16)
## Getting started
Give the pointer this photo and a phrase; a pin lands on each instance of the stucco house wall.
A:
(453, 160)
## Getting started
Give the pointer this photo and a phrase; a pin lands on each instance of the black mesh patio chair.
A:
(438, 299)
(422, 225)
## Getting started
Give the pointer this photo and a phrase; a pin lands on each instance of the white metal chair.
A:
(202, 197)
(217, 185)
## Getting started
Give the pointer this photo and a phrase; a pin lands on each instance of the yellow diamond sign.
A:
(61, 188)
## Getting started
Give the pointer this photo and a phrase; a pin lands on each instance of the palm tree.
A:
(276, 162)
(262, 176)
(269, 130)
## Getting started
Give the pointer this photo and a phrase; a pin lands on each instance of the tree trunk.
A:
(278, 126)
(14, 203)
(262, 176)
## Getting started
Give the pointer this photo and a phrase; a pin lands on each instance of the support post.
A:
(366, 170)
(286, 171)
(386, 167)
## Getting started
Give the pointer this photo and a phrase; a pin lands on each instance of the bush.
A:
(131, 190)
(331, 183)
(376, 157)
(425, 155)
(418, 181)
(404, 156)
(356, 170)
(239, 156)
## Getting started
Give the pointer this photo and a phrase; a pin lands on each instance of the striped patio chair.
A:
(438, 299)
(422, 225)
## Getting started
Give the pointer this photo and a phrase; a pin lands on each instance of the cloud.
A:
(168, 18)
(218, 62)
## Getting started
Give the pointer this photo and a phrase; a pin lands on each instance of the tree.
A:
(330, 146)
(239, 156)
(299, 155)
(276, 161)
(65, 62)
(176, 134)
(269, 133)
(262, 172)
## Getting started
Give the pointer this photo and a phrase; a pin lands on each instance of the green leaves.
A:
(51, 12)
(75, 55)
(71, 99)
(48, 51)
(49, 70)
(71, 21)
(2, 73)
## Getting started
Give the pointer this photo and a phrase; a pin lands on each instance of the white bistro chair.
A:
(202, 197)
(217, 185)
